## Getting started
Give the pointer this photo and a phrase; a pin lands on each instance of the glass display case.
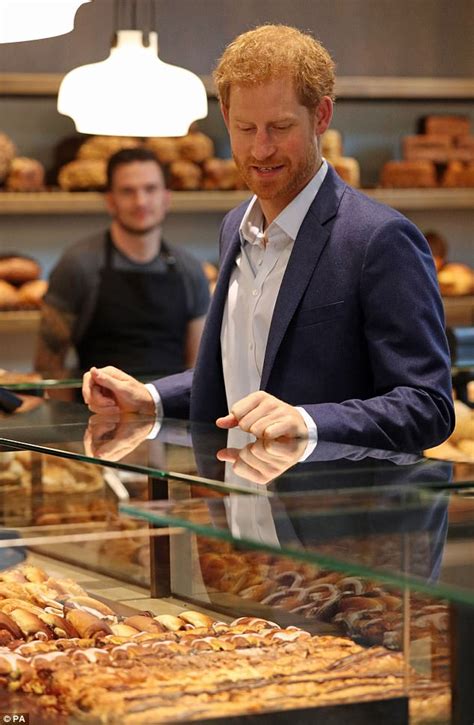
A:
(333, 581)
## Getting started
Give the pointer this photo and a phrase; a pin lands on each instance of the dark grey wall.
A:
(366, 37)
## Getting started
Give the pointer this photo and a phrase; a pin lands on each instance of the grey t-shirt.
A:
(74, 281)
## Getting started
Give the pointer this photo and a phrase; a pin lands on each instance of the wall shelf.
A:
(63, 202)
(350, 87)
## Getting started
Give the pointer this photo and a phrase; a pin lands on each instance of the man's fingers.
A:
(227, 421)
(228, 455)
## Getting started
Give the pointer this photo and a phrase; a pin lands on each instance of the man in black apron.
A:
(126, 297)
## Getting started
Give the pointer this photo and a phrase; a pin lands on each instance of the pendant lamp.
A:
(133, 92)
(34, 19)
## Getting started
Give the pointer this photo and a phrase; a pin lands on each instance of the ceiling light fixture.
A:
(133, 92)
(34, 19)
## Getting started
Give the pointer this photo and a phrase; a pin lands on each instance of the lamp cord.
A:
(152, 15)
(134, 14)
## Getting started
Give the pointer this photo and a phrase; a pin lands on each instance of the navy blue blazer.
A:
(357, 334)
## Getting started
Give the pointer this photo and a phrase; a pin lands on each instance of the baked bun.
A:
(32, 293)
(427, 147)
(221, 174)
(456, 279)
(165, 149)
(348, 169)
(408, 174)
(25, 175)
(7, 154)
(83, 174)
(331, 144)
(451, 125)
(196, 147)
(101, 148)
(458, 174)
(18, 270)
(184, 176)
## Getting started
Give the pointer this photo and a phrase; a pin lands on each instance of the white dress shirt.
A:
(253, 290)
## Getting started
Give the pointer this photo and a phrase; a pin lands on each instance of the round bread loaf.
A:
(17, 270)
(25, 175)
(196, 147)
(32, 293)
(456, 279)
(165, 149)
(184, 175)
(8, 295)
(101, 148)
(83, 174)
(7, 154)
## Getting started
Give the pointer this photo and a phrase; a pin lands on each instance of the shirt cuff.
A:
(158, 411)
(312, 433)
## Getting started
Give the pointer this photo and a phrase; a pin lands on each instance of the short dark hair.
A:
(129, 156)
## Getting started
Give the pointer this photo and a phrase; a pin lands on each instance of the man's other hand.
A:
(265, 416)
(110, 390)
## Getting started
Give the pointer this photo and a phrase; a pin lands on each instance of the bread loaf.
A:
(7, 154)
(165, 149)
(458, 174)
(184, 175)
(331, 144)
(408, 174)
(452, 125)
(196, 147)
(83, 174)
(456, 279)
(32, 293)
(101, 148)
(25, 175)
(428, 147)
(18, 270)
(348, 169)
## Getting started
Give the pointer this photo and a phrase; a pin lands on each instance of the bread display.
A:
(7, 154)
(221, 174)
(408, 174)
(25, 175)
(58, 475)
(83, 174)
(332, 149)
(12, 376)
(77, 657)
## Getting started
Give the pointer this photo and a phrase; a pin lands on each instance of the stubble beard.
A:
(289, 189)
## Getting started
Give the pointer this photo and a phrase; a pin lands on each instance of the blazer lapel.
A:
(304, 258)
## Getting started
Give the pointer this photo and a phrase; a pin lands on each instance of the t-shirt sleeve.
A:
(67, 289)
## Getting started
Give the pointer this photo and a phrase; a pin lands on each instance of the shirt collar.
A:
(288, 221)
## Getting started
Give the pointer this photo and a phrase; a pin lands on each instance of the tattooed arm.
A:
(54, 341)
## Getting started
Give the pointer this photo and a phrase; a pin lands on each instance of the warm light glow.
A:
(133, 93)
(34, 19)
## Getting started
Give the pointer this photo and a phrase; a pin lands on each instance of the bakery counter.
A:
(253, 624)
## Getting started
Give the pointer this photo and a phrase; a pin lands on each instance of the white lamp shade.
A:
(133, 93)
(34, 19)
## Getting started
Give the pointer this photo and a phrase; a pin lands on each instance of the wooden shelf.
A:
(21, 321)
(350, 87)
(63, 202)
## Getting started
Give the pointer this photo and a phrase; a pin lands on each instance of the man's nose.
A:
(140, 197)
(263, 145)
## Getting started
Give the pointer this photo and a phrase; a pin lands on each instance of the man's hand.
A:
(264, 460)
(115, 437)
(265, 416)
(109, 390)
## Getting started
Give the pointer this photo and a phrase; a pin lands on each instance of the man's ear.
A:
(323, 115)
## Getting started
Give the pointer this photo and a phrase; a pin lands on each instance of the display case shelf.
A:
(63, 202)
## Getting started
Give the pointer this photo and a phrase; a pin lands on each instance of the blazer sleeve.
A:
(404, 329)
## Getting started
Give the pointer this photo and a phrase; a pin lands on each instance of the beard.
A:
(291, 183)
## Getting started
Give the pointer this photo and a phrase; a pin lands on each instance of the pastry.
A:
(458, 174)
(25, 175)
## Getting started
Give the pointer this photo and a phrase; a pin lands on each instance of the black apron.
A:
(140, 320)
